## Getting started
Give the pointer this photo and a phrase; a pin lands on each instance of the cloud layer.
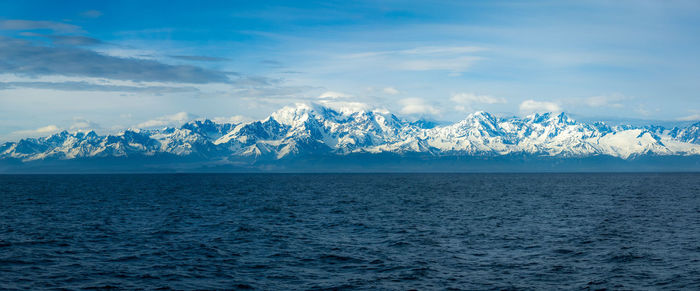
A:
(23, 58)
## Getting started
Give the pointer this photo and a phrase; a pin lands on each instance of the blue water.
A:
(355, 231)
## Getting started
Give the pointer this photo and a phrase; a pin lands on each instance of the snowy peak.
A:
(549, 118)
(690, 134)
(483, 121)
(293, 115)
(208, 128)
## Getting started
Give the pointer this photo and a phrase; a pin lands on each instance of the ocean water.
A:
(350, 231)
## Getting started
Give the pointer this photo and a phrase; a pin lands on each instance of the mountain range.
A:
(314, 137)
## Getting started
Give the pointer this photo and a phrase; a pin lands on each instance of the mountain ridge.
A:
(306, 131)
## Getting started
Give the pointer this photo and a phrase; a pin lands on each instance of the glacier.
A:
(316, 137)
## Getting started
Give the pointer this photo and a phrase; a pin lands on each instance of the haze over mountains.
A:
(311, 136)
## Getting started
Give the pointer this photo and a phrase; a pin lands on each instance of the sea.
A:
(350, 231)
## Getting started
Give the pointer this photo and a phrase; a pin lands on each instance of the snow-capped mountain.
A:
(306, 131)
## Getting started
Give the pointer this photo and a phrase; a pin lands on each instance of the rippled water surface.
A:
(363, 231)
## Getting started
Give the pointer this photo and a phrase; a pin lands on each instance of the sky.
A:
(112, 65)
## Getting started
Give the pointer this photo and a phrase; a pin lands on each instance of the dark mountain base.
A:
(358, 163)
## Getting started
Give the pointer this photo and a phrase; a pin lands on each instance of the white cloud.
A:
(532, 106)
(168, 120)
(232, 119)
(641, 109)
(417, 106)
(465, 100)
(390, 91)
(49, 129)
(468, 98)
(693, 117)
(333, 95)
(605, 101)
(83, 124)
(345, 107)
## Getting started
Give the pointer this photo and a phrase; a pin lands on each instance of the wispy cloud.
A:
(345, 106)
(263, 93)
(83, 124)
(420, 51)
(455, 59)
(87, 86)
(390, 91)
(41, 131)
(18, 24)
(91, 13)
(613, 100)
(642, 110)
(464, 101)
(443, 50)
(333, 95)
(272, 63)
(417, 106)
(232, 119)
(455, 65)
(72, 40)
(199, 58)
(692, 117)
(255, 81)
(176, 119)
(532, 106)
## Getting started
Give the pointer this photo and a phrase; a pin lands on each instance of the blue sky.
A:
(110, 65)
